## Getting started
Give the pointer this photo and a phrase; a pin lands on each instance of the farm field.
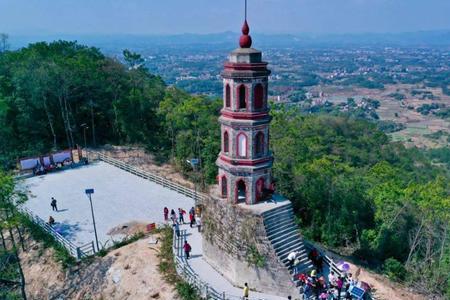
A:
(418, 126)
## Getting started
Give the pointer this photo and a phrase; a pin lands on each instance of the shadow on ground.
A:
(68, 231)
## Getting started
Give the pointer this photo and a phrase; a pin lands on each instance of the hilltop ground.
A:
(130, 272)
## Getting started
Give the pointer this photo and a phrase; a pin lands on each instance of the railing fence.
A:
(77, 252)
(198, 197)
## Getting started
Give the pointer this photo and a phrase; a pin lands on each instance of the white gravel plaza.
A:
(119, 197)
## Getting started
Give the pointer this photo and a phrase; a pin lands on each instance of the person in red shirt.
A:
(187, 249)
(191, 219)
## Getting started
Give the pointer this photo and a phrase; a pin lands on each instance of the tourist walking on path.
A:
(246, 291)
(199, 224)
(166, 214)
(291, 257)
(177, 229)
(187, 249)
(181, 213)
(53, 204)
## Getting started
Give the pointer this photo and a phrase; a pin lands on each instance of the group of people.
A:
(316, 286)
(194, 219)
(178, 219)
(332, 289)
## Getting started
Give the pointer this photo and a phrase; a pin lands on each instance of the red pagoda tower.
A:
(245, 161)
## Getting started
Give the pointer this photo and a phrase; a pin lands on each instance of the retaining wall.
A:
(235, 242)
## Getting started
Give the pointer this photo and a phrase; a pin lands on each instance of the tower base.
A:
(235, 243)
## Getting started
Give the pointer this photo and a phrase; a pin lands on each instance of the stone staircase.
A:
(285, 237)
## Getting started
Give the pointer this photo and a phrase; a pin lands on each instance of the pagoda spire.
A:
(245, 40)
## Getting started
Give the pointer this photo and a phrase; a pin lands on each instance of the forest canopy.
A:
(352, 188)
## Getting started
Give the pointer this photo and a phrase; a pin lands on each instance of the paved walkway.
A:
(211, 276)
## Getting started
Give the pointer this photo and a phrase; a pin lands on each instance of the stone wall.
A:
(236, 245)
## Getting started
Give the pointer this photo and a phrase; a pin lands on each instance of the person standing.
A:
(246, 291)
(332, 279)
(191, 219)
(181, 213)
(177, 229)
(187, 249)
(173, 216)
(53, 204)
(339, 285)
(166, 214)
(199, 224)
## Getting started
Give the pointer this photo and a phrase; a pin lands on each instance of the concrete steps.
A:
(283, 233)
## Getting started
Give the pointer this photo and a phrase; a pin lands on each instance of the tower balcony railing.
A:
(250, 161)
(245, 114)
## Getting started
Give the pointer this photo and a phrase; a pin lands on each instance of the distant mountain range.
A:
(229, 40)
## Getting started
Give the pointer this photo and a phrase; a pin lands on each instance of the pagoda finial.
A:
(246, 40)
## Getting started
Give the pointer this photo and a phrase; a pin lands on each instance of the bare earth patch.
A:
(130, 272)
(382, 288)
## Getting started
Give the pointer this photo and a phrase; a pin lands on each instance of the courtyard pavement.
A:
(120, 197)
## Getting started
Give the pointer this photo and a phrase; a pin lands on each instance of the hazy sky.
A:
(207, 16)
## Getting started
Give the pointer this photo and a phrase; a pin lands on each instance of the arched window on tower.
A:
(242, 145)
(226, 142)
(227, 96)
(259, 144)
(258, 96)
(242, 97)
(224, 187)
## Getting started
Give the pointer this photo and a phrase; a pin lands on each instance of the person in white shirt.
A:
(291, 257)
(199, 224)
(332, 280)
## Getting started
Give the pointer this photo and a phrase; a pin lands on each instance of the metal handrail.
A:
(165, 182)
(77, 252)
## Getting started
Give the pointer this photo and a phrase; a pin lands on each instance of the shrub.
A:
(167, 267)
(394, 269)
(187, 291)
(255, 258)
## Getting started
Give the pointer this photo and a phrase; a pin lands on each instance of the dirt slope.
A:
(130, 272)
(382, 288)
